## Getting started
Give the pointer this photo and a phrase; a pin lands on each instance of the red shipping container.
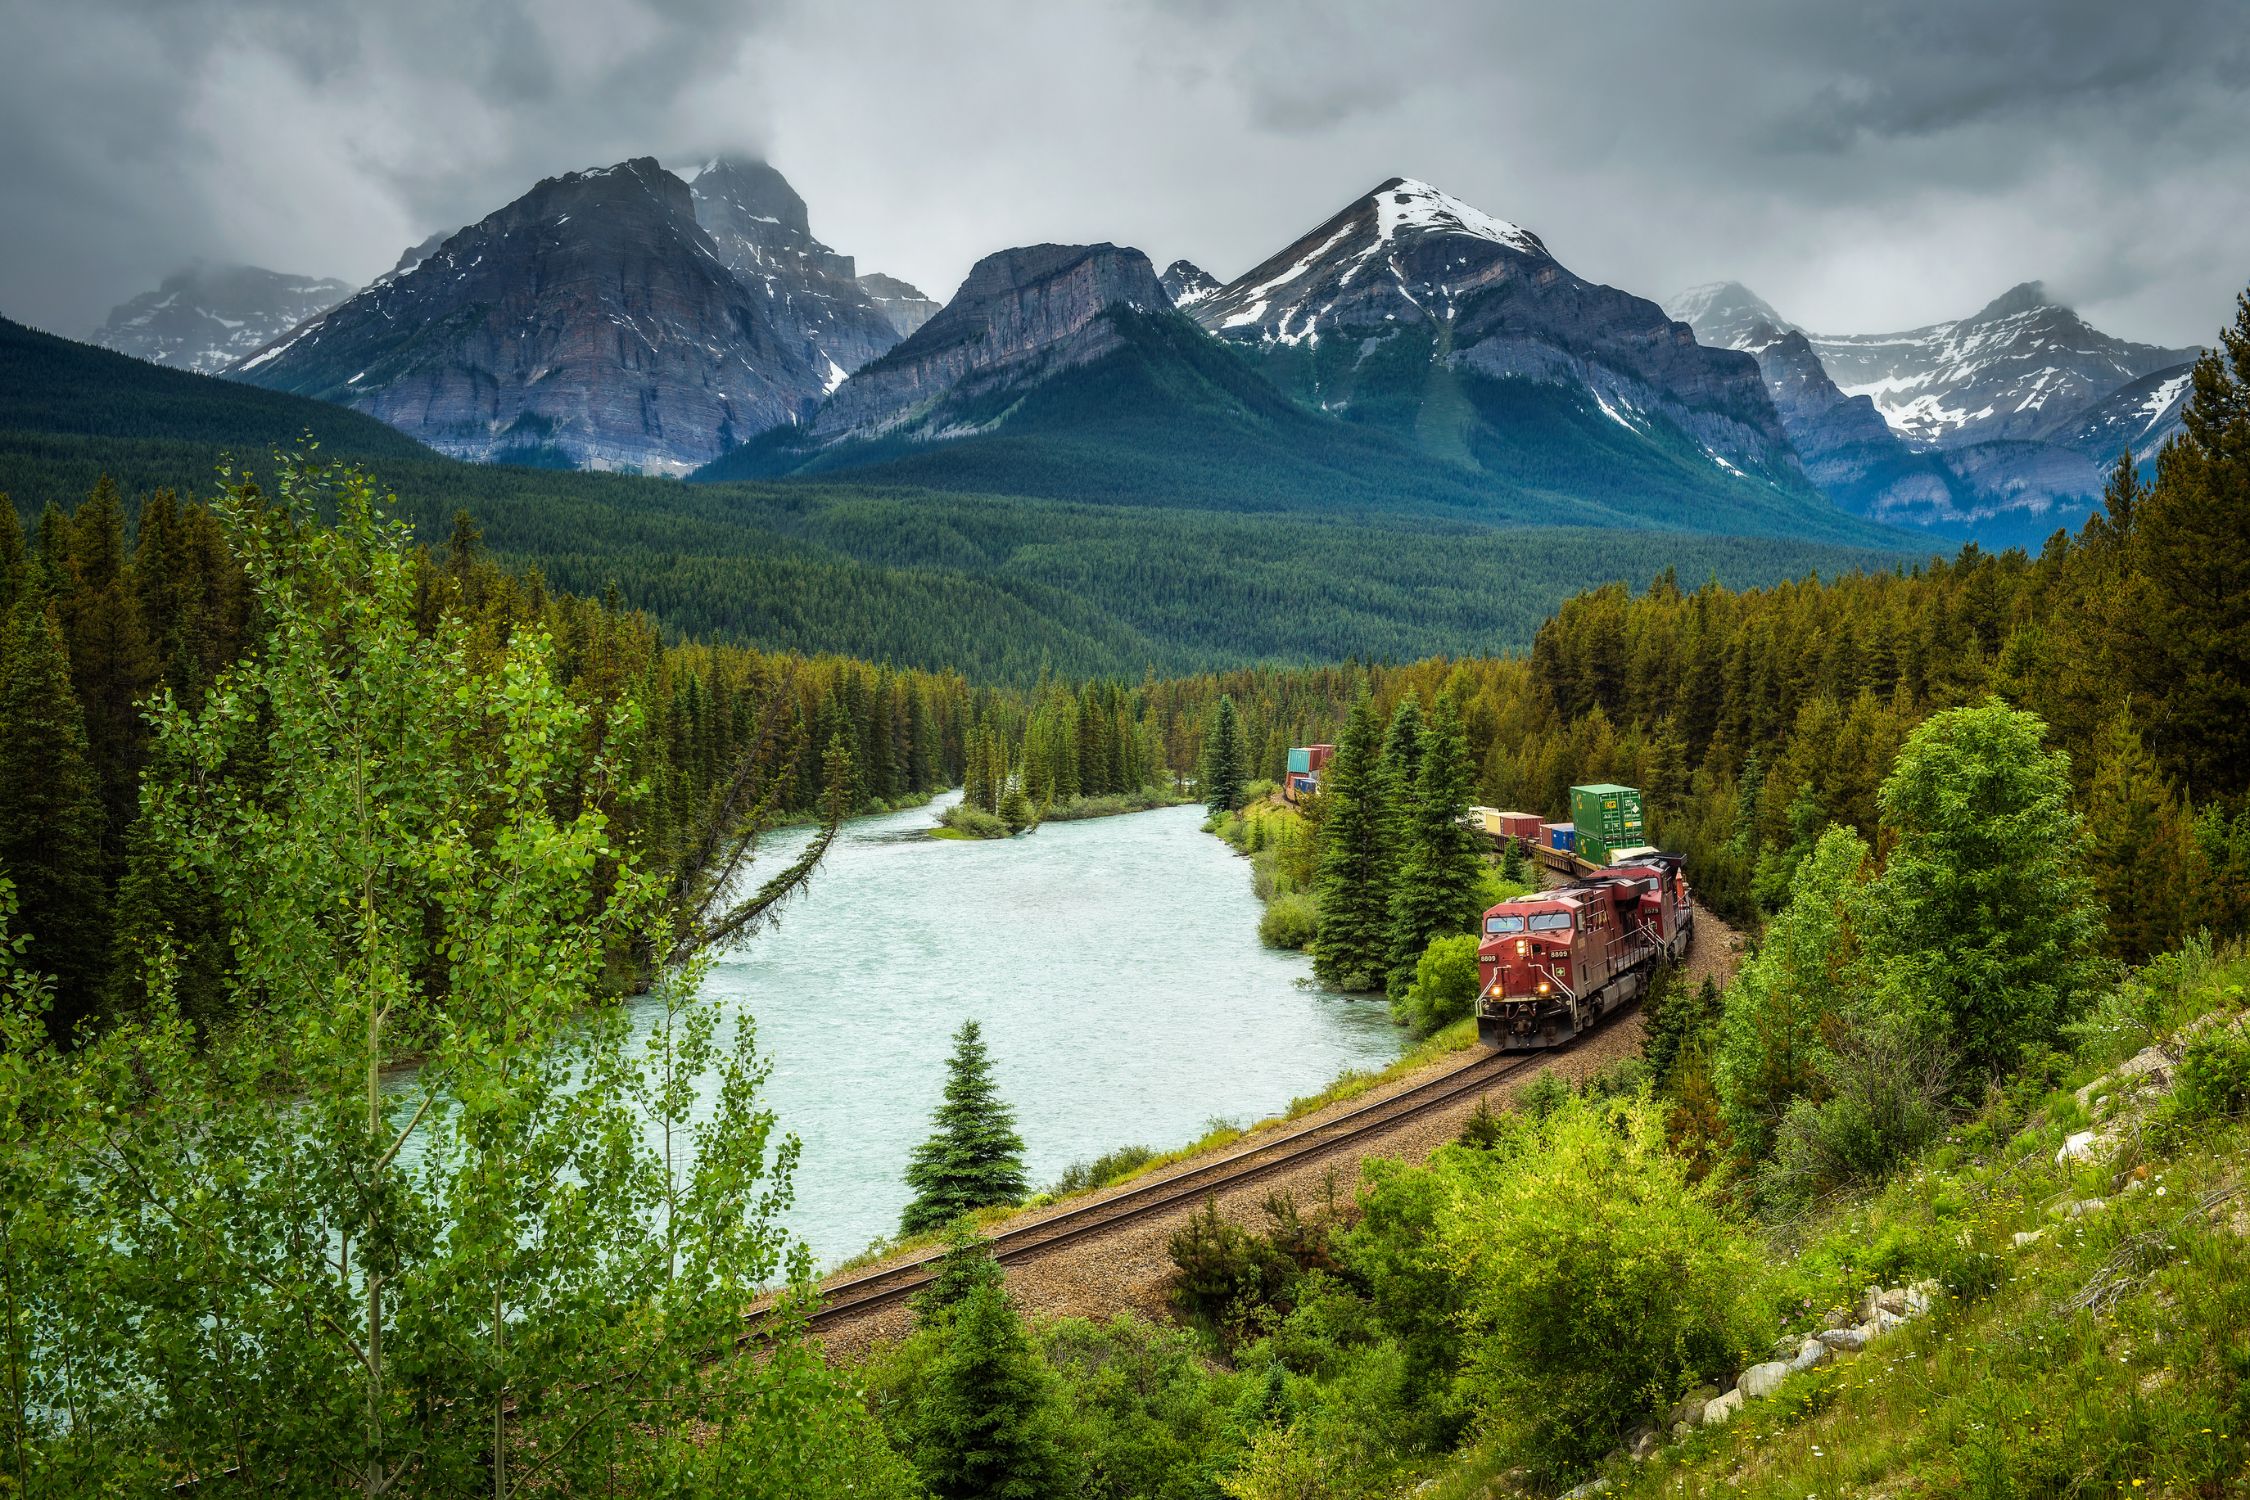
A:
(1520, 825)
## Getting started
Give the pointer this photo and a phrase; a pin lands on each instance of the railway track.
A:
(857, 1296)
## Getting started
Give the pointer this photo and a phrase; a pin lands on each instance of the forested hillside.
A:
(100, 628)
(995, 585)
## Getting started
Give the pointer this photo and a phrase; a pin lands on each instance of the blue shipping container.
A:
(1566, 836)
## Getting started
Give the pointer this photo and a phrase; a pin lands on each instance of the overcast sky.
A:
(1865, 167)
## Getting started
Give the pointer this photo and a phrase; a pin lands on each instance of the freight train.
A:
(1551, 964)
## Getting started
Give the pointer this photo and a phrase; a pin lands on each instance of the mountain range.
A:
(2003, 424)
(205, 318)
(1410, 352)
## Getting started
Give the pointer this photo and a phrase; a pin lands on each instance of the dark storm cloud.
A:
(1863, 167)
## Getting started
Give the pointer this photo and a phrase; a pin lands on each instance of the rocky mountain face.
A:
(1415, 310)
(207, 317)
(902, 302)
(1022, 315)
(1187, 283)
(1848, 451)
(2011, 370)
(2141, 415)
(813, 296)
(2005, 423)
(592, 322)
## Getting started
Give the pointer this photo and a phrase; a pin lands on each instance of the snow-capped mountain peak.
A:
(2009, 370)
(1405, 204)
(1188, 283)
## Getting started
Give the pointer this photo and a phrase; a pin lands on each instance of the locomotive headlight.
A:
(1522, 947)
(1542, 986)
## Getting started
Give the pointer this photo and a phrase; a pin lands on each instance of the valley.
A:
(1065, 753)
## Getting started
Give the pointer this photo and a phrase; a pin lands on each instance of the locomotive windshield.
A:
(1503, 924)
(1550, 921)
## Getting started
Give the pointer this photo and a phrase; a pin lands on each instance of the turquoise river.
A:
(1114, 964)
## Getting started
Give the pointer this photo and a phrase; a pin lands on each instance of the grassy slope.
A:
(2112, 1356)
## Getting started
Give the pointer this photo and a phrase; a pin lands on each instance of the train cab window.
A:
(1503, 924)
(1550, 921)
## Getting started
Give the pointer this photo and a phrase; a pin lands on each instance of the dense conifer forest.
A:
(292, 794)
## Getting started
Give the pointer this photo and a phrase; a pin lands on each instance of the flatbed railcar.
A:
(1552, 964)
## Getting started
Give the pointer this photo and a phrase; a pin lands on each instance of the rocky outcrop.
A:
(207, 317)
(1187, 283)
(812, 294)
(1021, 315)
(902, 302)
(1481, 296)
(592, 322)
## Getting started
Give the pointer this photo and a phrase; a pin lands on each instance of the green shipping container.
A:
(1608, 817)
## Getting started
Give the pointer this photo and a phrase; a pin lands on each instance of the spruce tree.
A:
(2140, 846)
(973, 1158)
(1223, 760)
(1351, 949)
(1440, 865)
(111, 664)
(1015, 808)
(50, 813)
(1402, 762)
(2188, 646)
(988, 1423)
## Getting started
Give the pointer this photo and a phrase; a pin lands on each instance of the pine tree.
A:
(1440, 867)
(50, 814)
(974, 1158)
(1351, 949)
(1223, 773)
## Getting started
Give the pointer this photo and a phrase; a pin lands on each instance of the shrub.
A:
(973, 821)
(1289, 921)
(1888, 1087)
(1444, 987)
(1109, 1167)
(1226, 1277)
(1600, 1283)
(2213, 1078)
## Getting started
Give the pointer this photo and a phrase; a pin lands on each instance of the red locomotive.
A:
(1552, 964)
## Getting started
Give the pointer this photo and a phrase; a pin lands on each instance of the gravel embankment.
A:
(1127, 1269)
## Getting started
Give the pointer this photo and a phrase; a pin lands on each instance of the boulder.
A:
(1641, 1444)
(1763, 1380)
(1918, 1298)
(1590, 1487)
(2077, 1146)
(1681, 1429)
(1690, 1409)
(2085, 1206)
(2026, 1238)
(1844, 1340)
(1716, 1413)
(1812, 1353)
(1893, 1302)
